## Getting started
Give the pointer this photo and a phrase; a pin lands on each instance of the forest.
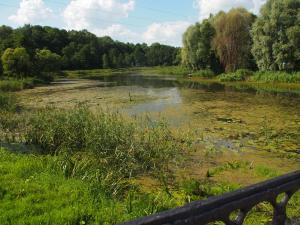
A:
(30, 49)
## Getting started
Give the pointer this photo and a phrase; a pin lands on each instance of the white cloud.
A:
(101, 17)
(31, 11)
(119, 32)
(206, 7)
(167, 33)
(92, 14)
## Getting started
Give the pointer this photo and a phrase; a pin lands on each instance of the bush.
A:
(276, 77)
(20, 84)
(204, 73)
(11, 85)
(239, 75)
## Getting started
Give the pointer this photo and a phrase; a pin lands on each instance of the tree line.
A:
(224, 42)
(240, 40)
(36, 50)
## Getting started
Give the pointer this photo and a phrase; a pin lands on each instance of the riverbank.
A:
(212, 142)
(268, 82)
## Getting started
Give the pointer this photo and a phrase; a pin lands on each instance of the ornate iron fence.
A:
(241, 201)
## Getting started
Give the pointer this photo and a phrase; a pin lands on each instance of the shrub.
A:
(239, 75)
(204, 73)
(16, 85)
(11, 85)
(276, 77)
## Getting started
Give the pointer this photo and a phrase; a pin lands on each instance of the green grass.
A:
(102, 148)
(33, 190)
(12, 85)
(204, 74)
(276, 77)
(89, 74)
(7, 102)
(159, 70)
(240, 75)
(165, 70)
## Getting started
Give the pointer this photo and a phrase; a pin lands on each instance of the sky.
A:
(136, 21)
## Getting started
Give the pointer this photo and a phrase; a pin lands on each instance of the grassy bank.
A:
(242, 75)
(13, 85)
(35, 190)
(164, 70)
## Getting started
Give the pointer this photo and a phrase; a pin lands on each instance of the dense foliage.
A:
(232, 42)
(222, 42)
(30, 50)
(197, 52)
(16, 62)
(239, 40)
(276, 36)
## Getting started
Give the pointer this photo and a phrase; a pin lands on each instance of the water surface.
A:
(219, 118)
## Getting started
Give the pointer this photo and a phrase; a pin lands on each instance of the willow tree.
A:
(197, 51)
(16, 62)
(276, 36)
(232, 41)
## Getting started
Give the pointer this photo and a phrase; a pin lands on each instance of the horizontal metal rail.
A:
(221, 207)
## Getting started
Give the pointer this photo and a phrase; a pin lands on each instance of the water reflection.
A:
(165, 98)
(139, 80)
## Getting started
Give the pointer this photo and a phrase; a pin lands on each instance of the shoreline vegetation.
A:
(276, 82)
(273, 82)
(85, 168)
(72, 166)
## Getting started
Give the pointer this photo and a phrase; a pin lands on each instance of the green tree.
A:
(139, 56)
(47, 61)
(105, 61)
(6, 38)
(232, 41)
(16, 62)
(276, 36)
(197, 52)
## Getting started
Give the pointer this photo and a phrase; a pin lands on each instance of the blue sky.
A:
(125, 20)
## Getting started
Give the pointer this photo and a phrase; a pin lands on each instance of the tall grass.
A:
(239, 75)
(204, 73)
(16, 85)
(7, 101)
(102, 147)
(276, 77)
(33, 190)
(11, 85)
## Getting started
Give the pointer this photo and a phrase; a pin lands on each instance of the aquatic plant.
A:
(102, 147)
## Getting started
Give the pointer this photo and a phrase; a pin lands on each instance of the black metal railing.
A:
(241, 201)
